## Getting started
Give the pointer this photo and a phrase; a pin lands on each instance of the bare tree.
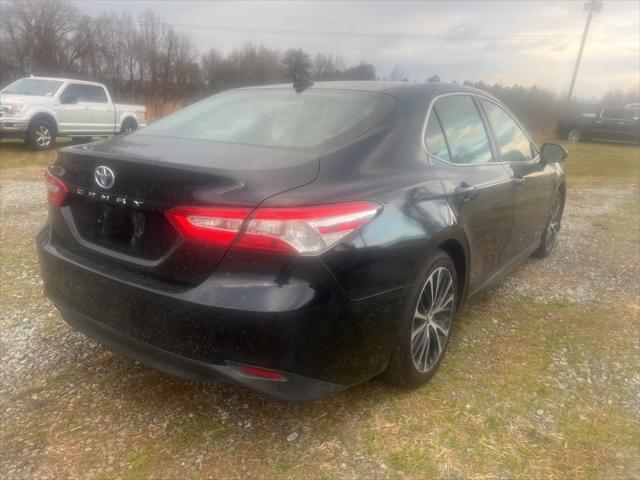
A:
(39, 34)
(396, 74)
(296, 62)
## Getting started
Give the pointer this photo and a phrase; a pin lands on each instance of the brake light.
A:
(56, 189)
(210, 225)
(303, 230)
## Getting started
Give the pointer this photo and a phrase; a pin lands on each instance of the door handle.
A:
(518, 180)
(466, 192)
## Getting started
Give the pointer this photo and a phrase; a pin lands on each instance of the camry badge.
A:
(105, 177)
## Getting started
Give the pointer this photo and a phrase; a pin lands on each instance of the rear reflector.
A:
(263, 373)
(302, 230)
(56, 189)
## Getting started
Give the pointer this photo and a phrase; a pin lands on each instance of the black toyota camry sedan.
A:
(298, 240)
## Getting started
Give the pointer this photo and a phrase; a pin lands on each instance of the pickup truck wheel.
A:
(41, 135)
(80, 140)
(129, 126)
(574, 135)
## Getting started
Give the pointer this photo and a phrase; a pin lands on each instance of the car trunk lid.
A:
(126, 222)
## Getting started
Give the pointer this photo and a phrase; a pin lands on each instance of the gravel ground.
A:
(71, 409)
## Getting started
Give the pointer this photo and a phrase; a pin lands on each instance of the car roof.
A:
(397, 89)
(58, 79)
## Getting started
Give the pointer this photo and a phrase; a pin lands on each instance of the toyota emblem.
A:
(105, 177)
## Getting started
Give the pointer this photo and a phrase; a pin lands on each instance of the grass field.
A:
(542, 380)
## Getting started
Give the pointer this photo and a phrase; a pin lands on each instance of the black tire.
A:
(80, 140)
(41, 134)
(575, 135)
(550, 233)
(129, 126)
(402, 369)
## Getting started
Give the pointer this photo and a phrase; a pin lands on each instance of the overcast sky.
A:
(525, 42)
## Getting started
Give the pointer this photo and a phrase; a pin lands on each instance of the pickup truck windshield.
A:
(278, 117)
(33, 86)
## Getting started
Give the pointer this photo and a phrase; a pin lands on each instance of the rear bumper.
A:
(297, 388)
(302, 325)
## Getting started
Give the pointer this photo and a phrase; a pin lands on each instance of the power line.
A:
(318, 33)
(387, 35)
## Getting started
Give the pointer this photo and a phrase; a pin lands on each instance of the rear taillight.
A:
(303, 230)
(56, 189)
(210, 225)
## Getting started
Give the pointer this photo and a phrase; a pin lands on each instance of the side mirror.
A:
(553, 153)
(68, 99)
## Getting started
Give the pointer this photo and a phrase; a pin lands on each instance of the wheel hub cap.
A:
(432, 320)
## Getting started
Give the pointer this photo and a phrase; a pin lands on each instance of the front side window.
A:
(513, 144)
(275, 117)
(464, 130)
(34, 86)
(76, 90)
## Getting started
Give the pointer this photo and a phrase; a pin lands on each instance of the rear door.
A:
(616, 123)
(103, 114)
(533, 181)
(480, 189)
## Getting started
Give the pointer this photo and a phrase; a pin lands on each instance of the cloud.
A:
(495, 41)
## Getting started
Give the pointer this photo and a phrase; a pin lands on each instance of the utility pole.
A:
(592, 6)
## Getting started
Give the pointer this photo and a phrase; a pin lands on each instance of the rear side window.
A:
(618, 113)
(95, 94)
(275, 117)
(434, 139)
(513, 144)
(464, 130)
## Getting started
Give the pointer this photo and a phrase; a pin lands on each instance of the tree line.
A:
(145, 59)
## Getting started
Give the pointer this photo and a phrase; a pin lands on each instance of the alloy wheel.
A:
(574, 136)
(43, 136)
(432, 320)
(128, 127)
(551, 233)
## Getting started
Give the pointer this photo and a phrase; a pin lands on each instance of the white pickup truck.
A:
(39, 109)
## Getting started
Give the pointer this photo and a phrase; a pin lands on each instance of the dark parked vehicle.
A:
(620, 124)
(298, 241)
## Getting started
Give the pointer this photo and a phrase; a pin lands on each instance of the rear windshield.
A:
(278, 118)
(33, 86)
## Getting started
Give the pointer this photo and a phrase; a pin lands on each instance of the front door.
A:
(531, 178)
(75, 117)
(480, 190)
